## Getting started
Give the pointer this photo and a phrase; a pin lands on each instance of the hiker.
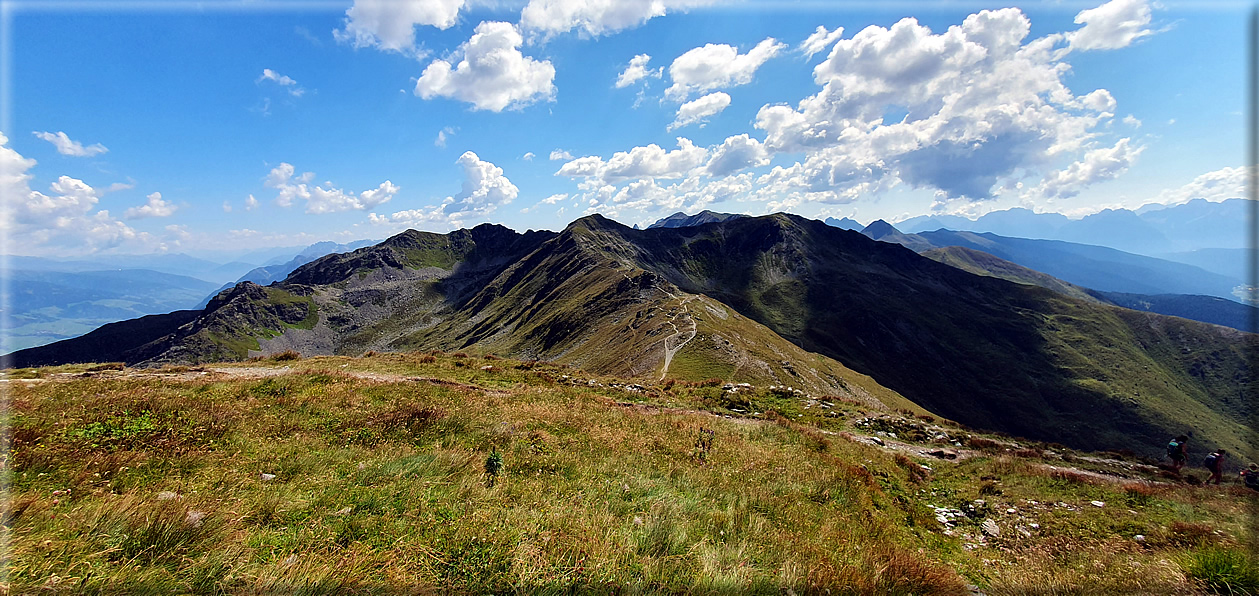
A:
(1250, 477)
(1176, 451)
(1215, 463)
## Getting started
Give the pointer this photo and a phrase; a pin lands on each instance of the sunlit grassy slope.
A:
(340, 475)
(768, 300)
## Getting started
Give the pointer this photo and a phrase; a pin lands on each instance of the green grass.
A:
(1224, 570)
(153, 483)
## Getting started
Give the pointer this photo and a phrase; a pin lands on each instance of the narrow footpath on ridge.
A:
(680, 337)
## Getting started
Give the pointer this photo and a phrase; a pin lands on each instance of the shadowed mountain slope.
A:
(982, 263)
(775, 299)
(977, 349)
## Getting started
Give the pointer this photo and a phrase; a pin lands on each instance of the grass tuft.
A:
(286, 355)
(1224, 571)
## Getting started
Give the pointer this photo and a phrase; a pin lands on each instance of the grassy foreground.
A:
(340, 475)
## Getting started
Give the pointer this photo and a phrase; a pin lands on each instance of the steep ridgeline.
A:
(490, 290)
(768, 300)
(981, 350)
(682, 220)
(572, 301)
(318, 309)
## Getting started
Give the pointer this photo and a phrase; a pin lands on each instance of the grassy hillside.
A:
(338, 475)
(769, 300)
(568, 302)
(982, 263)
(994, 354)
(1208, 309)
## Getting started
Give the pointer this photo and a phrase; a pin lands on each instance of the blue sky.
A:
(182, 127)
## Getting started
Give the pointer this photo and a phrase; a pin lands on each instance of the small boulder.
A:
(990, 528)
(265, 477)
(167, 495)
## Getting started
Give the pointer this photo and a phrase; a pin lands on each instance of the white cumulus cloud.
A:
(596, 17)
(390, 24)
(636, 70)
(700, 109)
(66, 146)
(717, 66)
(64, 221)
(1115, 24)
(970, 106)
(736, 153)
(319, 199)
(819, 41)
(559, 154)
(1215, 186)
(485, 189)
(1106, 163)
(492, 75)
(155, 207)
(650, 161)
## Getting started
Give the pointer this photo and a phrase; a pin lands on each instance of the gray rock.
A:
(990, 528)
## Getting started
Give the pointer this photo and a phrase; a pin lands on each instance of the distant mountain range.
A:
(50, 300)
(169, 263)
(1079, 270)
(274, 272)
(682, 220)
(844, 224)
(1208, 309)
(1197, 224)
(47, 306)
(776, 299)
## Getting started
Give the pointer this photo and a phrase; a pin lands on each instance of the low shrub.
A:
(982, 443)
(106, 366)
(917, 474)
(1191, 534)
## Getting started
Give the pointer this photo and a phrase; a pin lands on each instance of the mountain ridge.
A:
(776, 299)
